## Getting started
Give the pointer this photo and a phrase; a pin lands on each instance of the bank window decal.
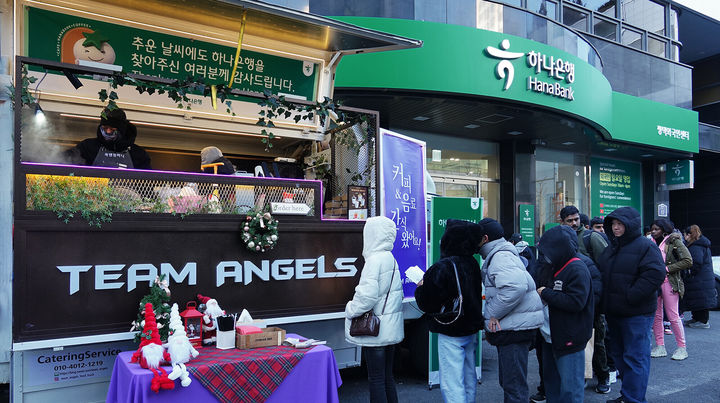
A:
(558, 69)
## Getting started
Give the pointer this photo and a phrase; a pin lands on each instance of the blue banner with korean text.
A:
(402, 164)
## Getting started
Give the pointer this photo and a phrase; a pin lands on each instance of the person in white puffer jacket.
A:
(376, 282)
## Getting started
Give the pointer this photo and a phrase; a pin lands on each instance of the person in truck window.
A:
(212, 161)
(113, 146)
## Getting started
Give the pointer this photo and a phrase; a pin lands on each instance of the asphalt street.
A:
(696, 379)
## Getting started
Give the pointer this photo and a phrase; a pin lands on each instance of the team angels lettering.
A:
(110, 276)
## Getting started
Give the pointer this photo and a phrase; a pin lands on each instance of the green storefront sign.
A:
(680, 174)
(614, 184)
(67, 38)
(526, 222)
(466, 60)
(442, 209)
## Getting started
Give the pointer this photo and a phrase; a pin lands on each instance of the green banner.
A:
(442, 209)
(67, 38)
(526, 222)
(680, 174)
(614, 184)
(466, 60)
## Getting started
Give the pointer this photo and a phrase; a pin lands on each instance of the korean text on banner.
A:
(402, 163)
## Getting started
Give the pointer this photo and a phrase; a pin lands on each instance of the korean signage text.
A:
(403, 183)
(161, 55)
(614, 184)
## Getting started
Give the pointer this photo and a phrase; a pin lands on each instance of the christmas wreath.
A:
(259, 232)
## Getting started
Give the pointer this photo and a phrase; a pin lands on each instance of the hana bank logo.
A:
(504, 68)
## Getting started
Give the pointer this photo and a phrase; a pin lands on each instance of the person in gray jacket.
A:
(379, 280)
(513, 309)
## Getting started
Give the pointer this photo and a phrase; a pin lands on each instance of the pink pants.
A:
(670, 299)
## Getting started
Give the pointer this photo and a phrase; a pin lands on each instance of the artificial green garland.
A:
(259, 232)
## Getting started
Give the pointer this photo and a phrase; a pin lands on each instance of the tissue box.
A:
(270, 336)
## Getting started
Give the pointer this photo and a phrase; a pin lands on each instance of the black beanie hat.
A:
(492, 229)
(114, 118)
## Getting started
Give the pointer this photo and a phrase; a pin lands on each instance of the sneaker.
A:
(618, 400)
(658, 351)
(698, 325)
(688, 322)
(603, 387)
(680, 354)
(538, 398)
(613, 376)
(667, 329)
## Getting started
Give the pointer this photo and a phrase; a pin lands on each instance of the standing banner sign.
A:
(442, 209)
(402, 163)
(526, 222)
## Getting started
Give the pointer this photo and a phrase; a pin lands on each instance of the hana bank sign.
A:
(560, 73)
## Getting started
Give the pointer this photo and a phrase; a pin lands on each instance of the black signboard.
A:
(70, 280)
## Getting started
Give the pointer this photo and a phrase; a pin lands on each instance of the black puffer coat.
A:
(86, 151)
(632, 268)
(568, 291)
(458, 245)
(700, 292)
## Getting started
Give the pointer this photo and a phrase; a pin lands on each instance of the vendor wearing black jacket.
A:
(113, 145)
(633, 270)
(566, 288)
(457, 341)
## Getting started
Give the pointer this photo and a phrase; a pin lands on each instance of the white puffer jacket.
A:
(378, 239)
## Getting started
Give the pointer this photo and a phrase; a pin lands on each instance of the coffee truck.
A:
(89, 241)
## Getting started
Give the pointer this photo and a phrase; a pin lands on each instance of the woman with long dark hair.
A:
(700, 292)
(677, 258)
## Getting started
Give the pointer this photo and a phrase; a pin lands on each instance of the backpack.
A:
(588, 244)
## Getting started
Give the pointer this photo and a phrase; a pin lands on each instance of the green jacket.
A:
(677, 259)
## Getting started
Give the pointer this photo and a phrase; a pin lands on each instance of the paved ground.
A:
(696, 379)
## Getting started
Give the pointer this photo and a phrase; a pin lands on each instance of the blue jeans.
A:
(512, 372)
(564, 375)
(629, 340)
(456, 356)
(379, 361)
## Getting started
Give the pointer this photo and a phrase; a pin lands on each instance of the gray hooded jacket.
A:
(510, 292)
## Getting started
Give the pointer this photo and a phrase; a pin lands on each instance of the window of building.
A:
(657, 46)
(606, 7)
(673, 28)
(560, 180)
(547, 8)
(516, 3)
(404, 9)
(575, 18)
(645, 14)
(605, 28)
(632, 38)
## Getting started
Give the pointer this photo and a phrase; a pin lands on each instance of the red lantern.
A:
(193, 323)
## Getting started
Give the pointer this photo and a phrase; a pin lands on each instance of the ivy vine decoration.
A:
(176, 90)
(260, 231)
(328, 111)
(26, 97)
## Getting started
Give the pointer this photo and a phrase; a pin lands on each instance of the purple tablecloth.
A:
(314, 379)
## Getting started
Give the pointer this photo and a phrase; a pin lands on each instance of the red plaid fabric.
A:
(244, 375)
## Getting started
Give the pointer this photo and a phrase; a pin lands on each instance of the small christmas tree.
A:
(159, 297)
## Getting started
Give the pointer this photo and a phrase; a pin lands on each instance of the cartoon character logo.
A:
(83, 43)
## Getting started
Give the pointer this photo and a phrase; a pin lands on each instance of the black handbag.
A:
(368, 324)
(452, 309)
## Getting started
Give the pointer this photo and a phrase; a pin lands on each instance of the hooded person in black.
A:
(114, 144)
(457, 340)
(566, 287)
(633, 270)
